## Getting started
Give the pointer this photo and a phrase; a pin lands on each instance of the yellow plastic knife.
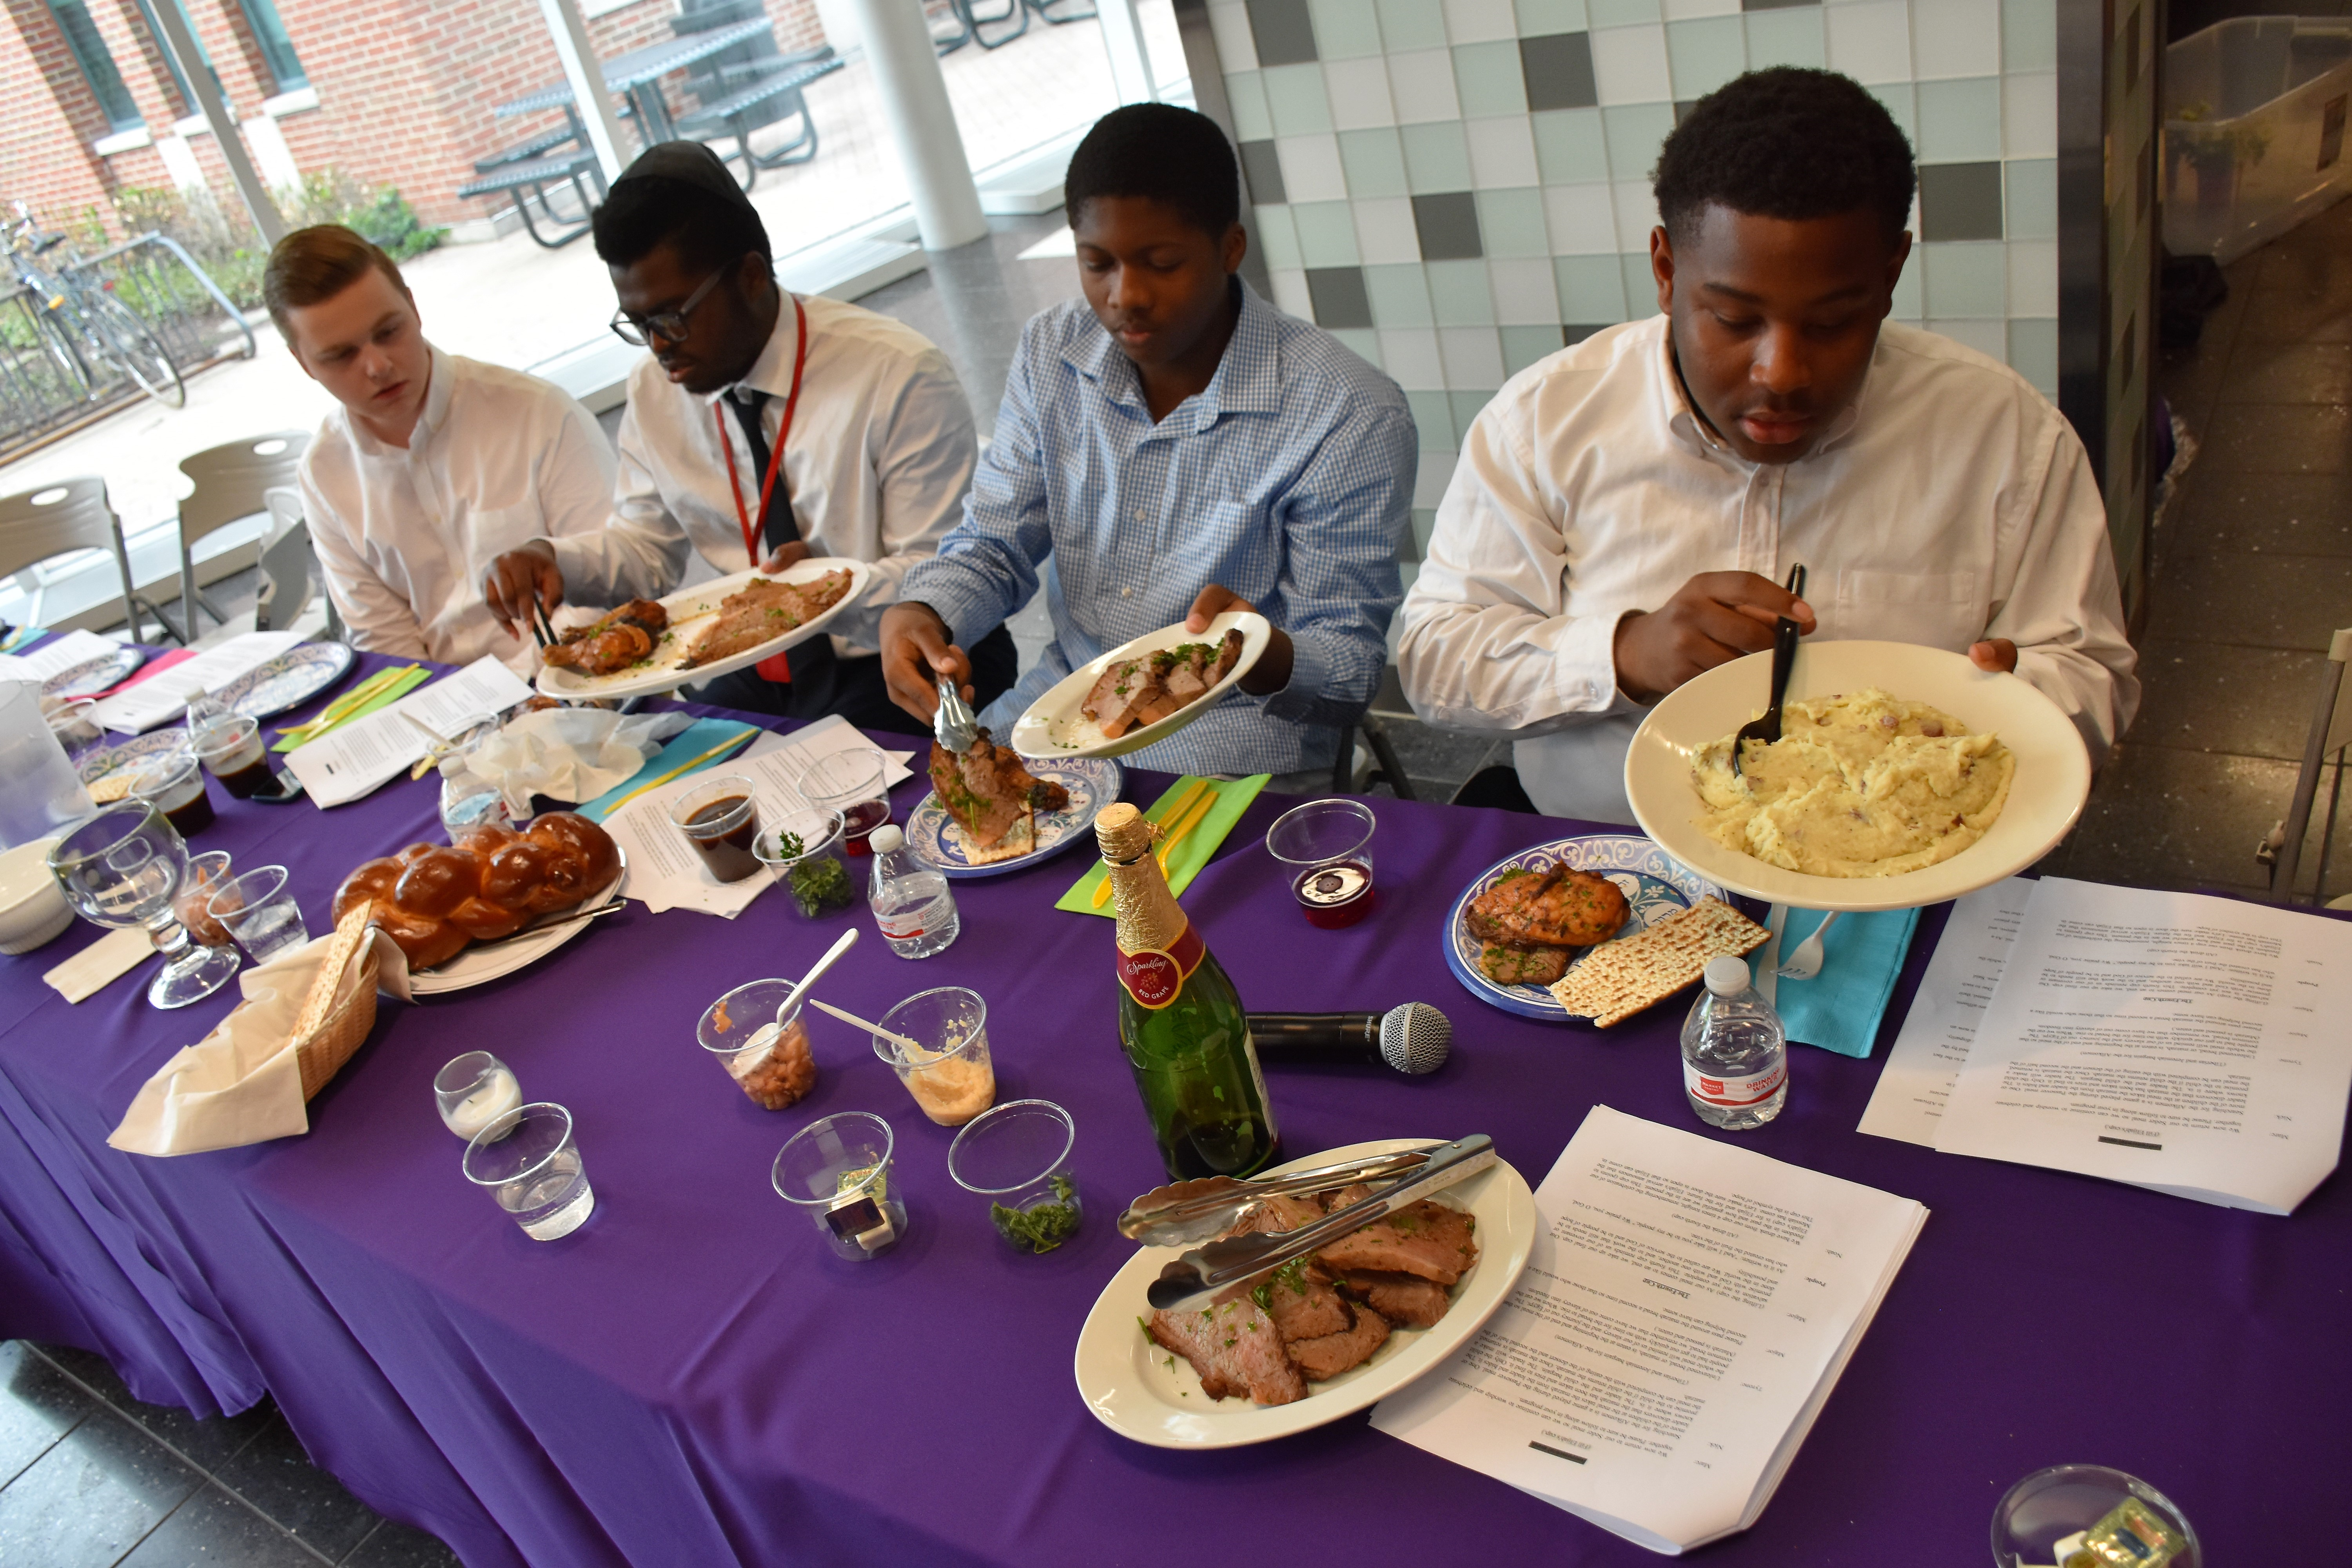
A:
(1183, 804)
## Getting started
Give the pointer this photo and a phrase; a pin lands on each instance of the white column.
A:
(923, 123)
(1130, 61)
(181, 45)
(587, 80)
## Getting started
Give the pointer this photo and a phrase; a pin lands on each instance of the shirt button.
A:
(1143, 517)
(1127, 592)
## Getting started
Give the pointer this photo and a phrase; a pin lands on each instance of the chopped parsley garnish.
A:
(1044, 1225)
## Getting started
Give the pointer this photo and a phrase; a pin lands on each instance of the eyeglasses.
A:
(670, 325)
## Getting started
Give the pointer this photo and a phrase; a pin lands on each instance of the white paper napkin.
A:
(563, 753)
(102, 963)
(242, 1083)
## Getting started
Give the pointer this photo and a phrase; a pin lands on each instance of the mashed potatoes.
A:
(1862, 785)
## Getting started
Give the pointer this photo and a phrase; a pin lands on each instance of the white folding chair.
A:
(232, 482)
(2331, 733)
(63, 519)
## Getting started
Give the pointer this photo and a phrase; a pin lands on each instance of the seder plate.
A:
(1093, 783)
(92, 676)
(1126, 1382)
(1654, 884)
(287, 681)
(132, 752)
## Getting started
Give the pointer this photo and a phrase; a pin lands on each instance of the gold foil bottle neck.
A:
(1122, 833)
(1148, 915)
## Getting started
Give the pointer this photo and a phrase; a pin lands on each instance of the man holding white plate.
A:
(1623, 509)
(1177, 448)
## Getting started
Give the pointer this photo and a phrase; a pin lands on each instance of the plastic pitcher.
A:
(39, 792)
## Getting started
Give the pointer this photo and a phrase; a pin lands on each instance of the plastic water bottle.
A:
(912, 903)
(1735, 1053)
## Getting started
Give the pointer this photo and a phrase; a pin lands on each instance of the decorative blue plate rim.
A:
(1093, 783)
(319, 664)
(95, 765)
(1660, 885)
(121, 663)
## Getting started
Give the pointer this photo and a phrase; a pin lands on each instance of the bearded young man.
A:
(1624, 511)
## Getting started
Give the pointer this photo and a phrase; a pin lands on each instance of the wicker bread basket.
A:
(322, 1053)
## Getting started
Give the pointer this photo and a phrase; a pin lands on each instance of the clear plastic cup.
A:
(768, 1058)
(71, 723)
(721, 819)
(231, 749)
(259, 910)
(1017, 1156)
(207, 874)
(2051, 1504)
(528, 1160)
(1324, 846)
(837, 1172)
(855, 784)
(473, 1091)
(816, 879)
(948, 1071)
(175, 784)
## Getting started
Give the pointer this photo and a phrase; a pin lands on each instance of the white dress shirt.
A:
(1950, 503)
(405, 535)
(880, 453)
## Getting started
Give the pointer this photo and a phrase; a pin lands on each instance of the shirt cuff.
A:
(1585, 673)
(1310, 677)
(937, 582)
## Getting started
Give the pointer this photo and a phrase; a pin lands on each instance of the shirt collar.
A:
(772, 373)
(1248, 378)
(1684, 422)
(440, 379)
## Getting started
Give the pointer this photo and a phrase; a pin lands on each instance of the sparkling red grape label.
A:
(1155, 977)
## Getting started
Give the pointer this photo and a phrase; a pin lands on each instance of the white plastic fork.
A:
(1806, 962)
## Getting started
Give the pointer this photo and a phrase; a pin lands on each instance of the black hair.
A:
(1163, 153)
(707, 230)
(1786, 142)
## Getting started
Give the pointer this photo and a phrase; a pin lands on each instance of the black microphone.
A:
(1412, 1038)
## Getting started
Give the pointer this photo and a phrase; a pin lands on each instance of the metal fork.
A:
(955, 724)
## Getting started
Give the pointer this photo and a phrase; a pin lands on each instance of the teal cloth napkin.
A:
(1839, 1009)
(701, 745)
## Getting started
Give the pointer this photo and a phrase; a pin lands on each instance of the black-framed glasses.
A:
(669, 325)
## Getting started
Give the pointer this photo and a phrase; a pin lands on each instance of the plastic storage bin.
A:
(2253, 131)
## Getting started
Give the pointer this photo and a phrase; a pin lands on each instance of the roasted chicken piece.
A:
(1138, 691)
(761, 609)
(989, 793)
(1558, 908)
(619, 639)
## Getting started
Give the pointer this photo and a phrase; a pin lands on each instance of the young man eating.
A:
(431, 465)
(765, 428)
(1624, 511)
(1176, 448)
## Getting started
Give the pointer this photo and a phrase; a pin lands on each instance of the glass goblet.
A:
(122, 869)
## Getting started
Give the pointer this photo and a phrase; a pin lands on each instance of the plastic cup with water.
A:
(528, 1160)
(259, 910)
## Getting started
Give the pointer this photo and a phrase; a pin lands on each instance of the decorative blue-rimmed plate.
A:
(287, 681)
(92, 676)
(139, 749)
(1654, 883)
(1093, 783)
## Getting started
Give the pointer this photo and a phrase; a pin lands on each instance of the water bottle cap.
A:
(888, 838)
(1726, 975)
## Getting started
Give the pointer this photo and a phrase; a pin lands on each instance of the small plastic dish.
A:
(1017, 1156)
(2051, 1504)
(816, 881)
(33, 908)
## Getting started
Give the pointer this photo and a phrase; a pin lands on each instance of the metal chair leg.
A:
(1385, 755)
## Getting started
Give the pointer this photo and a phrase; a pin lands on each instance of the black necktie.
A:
(778, 527)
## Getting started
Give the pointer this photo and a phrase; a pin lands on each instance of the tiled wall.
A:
(1458, 187)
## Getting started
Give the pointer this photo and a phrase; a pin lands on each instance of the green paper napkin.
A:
(1234, 797)
(397, 684)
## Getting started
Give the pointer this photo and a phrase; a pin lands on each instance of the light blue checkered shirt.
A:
(1288, 479)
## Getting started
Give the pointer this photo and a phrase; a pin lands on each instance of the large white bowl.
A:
(33, 908)
(2054, 770)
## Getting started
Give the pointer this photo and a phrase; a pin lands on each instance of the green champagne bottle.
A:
(1180, 1020)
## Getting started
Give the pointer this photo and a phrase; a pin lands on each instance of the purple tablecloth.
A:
(692, 1379)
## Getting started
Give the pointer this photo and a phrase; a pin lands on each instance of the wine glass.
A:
(122, 869)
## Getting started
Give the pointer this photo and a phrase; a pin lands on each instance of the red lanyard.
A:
(776, 454)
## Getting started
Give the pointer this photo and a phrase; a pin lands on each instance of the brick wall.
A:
(405, 90)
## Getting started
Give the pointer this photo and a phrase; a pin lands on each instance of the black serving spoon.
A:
(1784, 663)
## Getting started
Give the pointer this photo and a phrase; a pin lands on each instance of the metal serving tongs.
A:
(1205, 1271)
(1208, 1205)
(954, 723)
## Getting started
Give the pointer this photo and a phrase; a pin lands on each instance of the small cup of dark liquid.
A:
(175, 786)
(231, 749)
(855, 784)
(722, 820)
(1326, 845)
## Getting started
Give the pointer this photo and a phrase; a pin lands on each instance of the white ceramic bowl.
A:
(2054, 770)
(33, 908)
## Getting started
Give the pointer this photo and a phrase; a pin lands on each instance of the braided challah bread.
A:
(434, 899)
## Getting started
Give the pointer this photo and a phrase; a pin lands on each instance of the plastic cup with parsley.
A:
(803, 849)
(1015, 1157)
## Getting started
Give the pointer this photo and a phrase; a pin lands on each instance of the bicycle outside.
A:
(82, 326)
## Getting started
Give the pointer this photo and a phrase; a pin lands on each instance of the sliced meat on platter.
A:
(620, 638)
(762, 609)
(1331, 1355)
(992, 799)
(1234, 1347)
(1138, 691)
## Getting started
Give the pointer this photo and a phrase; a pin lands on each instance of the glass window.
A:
(90, 52)
(277, 49)
(179, 82)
